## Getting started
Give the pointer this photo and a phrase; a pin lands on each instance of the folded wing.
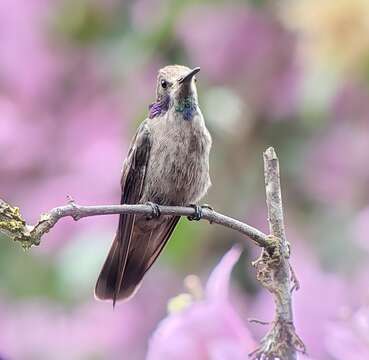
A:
(138, 241)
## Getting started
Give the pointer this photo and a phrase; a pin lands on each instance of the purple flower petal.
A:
(207, 329)
(218, 282)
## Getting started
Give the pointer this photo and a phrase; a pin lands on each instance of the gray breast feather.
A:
(178, 170)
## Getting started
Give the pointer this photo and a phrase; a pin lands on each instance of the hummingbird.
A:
(167, 164)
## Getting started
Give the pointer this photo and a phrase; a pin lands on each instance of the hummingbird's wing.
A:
(138, 242)
(132, 182)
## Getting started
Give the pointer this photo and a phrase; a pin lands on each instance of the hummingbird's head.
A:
(176, 88)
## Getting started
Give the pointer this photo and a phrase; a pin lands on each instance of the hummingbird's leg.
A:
(155, 213)
(198, 213)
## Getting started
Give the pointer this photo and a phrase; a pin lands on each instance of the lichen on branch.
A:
(14, 226)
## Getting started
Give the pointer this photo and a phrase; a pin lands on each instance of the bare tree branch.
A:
(273, 271)
(272, 268)
(12, 223)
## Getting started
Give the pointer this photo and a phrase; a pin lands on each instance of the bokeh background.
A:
(76, 78)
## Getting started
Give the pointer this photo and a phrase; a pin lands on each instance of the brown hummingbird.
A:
(167, 164)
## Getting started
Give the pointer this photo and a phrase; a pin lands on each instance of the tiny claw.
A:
(197, 214)
(155, 211)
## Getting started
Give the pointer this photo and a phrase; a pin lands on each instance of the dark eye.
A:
(164, 84)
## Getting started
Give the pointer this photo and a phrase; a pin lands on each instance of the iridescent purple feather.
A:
(158, 108)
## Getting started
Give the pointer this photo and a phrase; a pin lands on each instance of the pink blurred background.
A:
(76, 78)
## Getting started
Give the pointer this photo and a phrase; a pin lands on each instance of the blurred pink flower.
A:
(78, 153)
(61, 128)
(209, 328)
(358, 291)
(349, 338)
(22, 140)
(334, 168)
(40, 329)
(248, 49)
(146, 15)
(351, 103)
(28, 63)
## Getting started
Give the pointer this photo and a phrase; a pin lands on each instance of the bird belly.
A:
(178, 172)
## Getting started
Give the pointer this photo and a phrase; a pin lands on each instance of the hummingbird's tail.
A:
(106, 284)
(119, 279)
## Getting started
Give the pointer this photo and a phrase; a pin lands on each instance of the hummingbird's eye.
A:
(164, 84)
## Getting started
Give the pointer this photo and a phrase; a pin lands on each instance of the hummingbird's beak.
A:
(187, 78)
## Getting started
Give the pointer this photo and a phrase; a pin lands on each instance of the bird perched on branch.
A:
(167, 164)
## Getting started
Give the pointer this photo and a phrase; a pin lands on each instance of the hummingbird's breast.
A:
(178, 169)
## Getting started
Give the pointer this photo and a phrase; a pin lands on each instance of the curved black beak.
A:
(189, 76)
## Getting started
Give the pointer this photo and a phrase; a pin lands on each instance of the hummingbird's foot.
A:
(155, 211)
(197, 214)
